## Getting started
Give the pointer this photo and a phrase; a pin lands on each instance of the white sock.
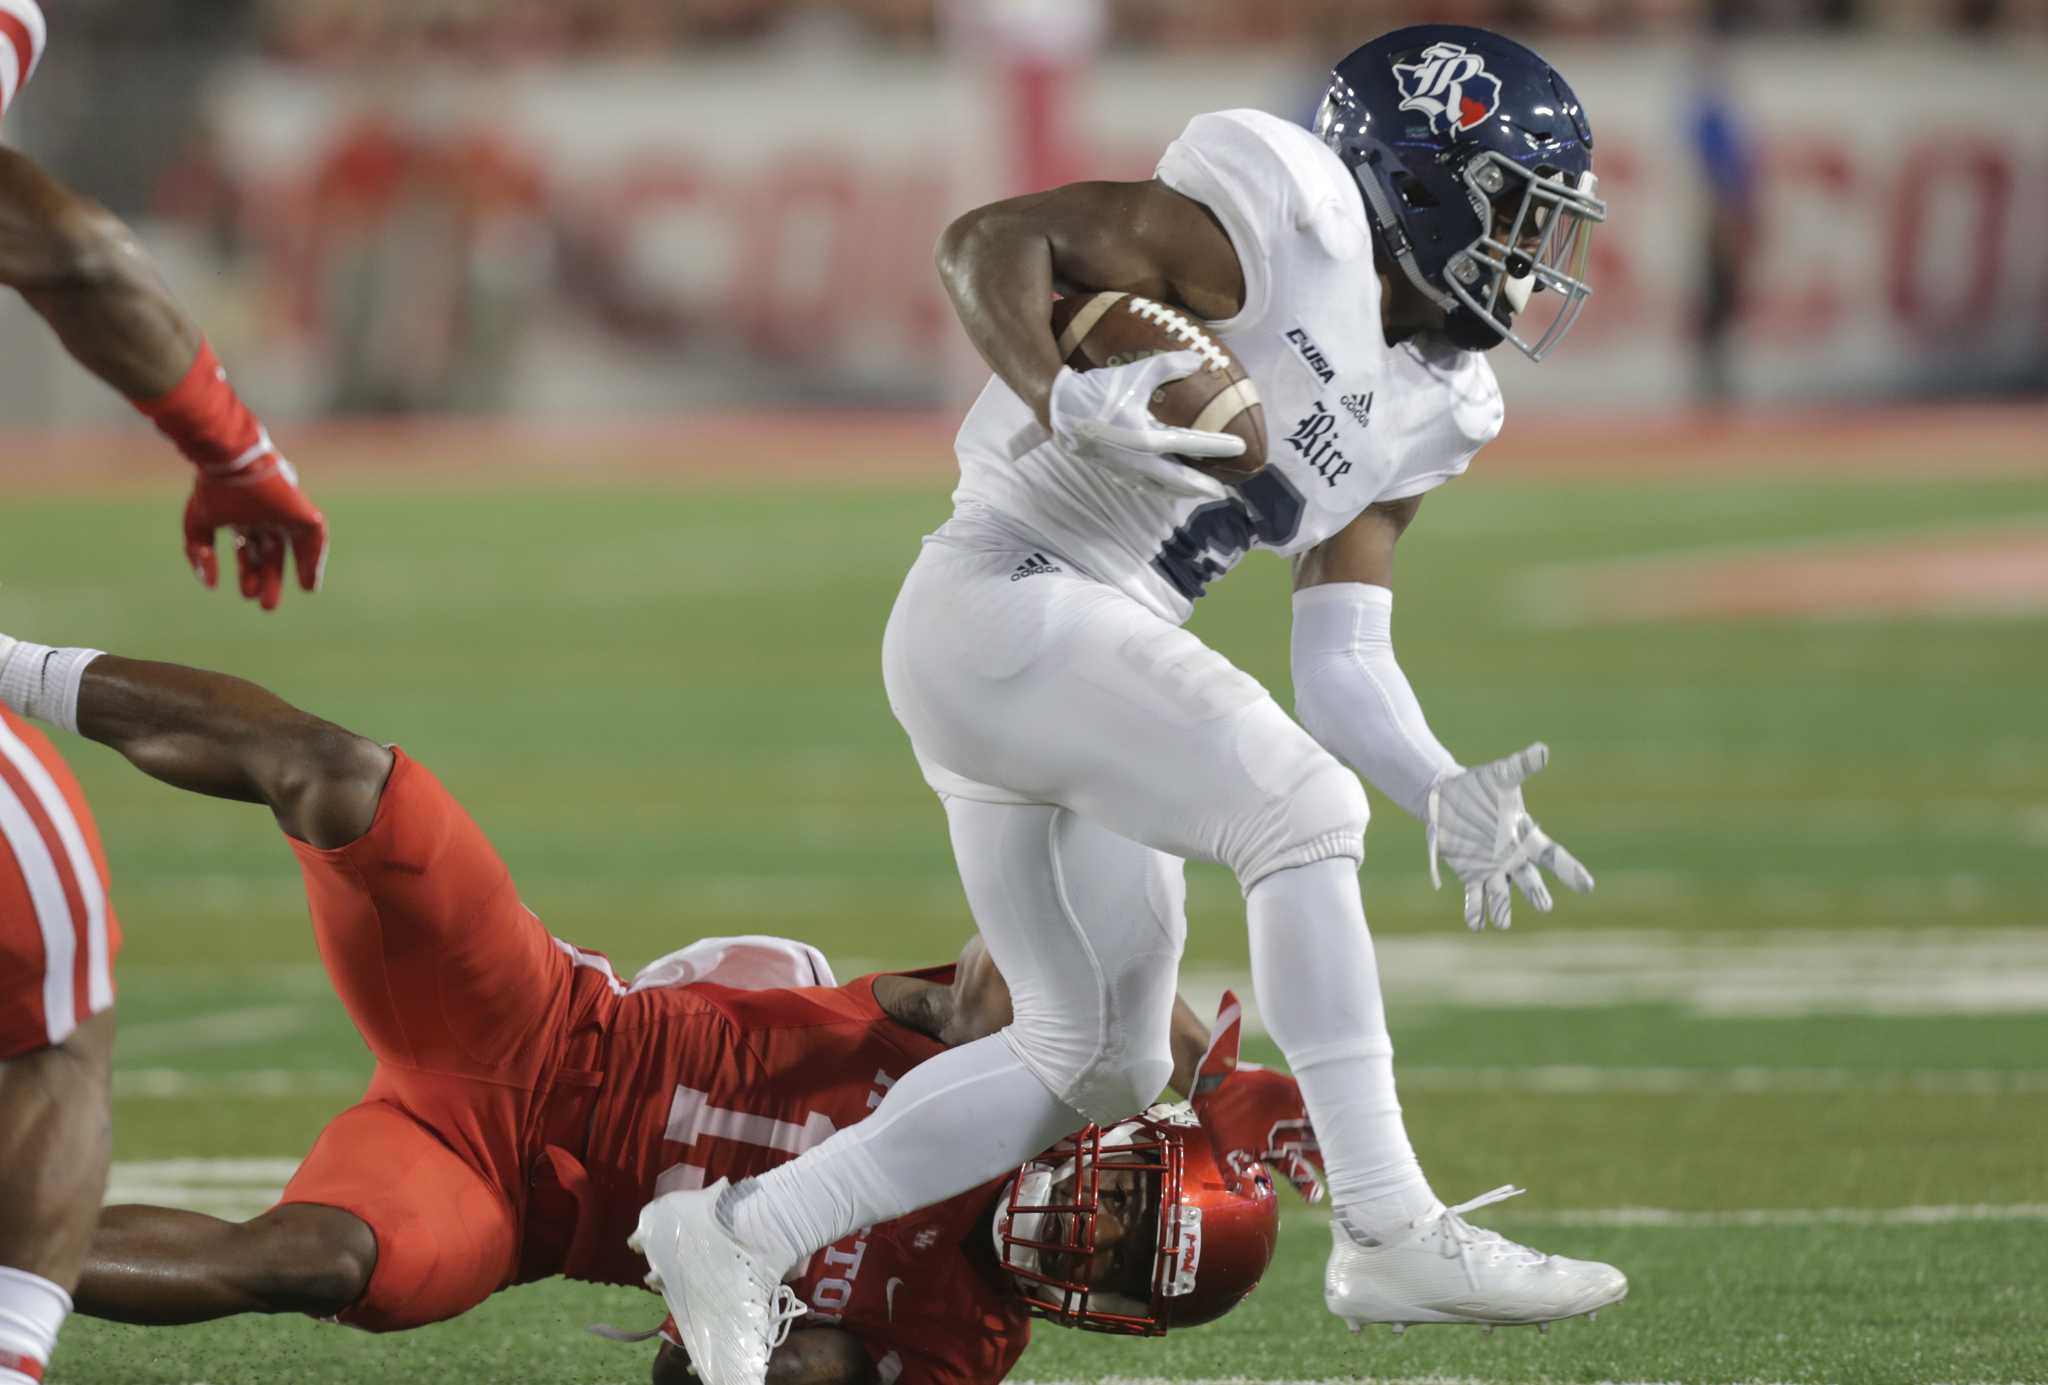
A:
(41, 682)
(32, 1309)
(951, 1122)
(1318, 985)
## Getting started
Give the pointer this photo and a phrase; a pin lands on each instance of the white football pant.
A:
(1083, 746)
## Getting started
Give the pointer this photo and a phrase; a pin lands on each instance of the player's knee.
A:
(1116, 1090)
(1321, 815)
(325, 784)
(308, 1259)
(1104, 1081)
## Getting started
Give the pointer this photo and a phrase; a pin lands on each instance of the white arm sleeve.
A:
(1350, 693)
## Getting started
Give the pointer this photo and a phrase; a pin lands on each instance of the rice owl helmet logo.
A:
(1450, 84)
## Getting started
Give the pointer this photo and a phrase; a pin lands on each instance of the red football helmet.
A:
(1203, 1238)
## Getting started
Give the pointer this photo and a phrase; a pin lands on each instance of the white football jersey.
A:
(1350, 421)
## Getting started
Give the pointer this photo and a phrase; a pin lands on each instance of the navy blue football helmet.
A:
(1476, 162)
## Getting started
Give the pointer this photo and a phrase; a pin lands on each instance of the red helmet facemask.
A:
(1205, 1233)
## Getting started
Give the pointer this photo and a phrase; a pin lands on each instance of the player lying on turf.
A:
(82, 270)
(526, 1104)
(1085, 743)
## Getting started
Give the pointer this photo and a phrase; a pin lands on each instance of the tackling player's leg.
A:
(58, 937)
(55, 1140)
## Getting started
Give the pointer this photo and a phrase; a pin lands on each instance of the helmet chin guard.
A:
(1475, 161)
(1209, 1231)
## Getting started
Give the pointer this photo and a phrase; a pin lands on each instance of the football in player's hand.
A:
(1108, 329)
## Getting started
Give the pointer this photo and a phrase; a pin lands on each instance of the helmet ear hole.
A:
(1414, 194)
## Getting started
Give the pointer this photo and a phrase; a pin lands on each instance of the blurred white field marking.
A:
(277, 1084)
(1790, 974)
(1515, 1379)
(222, 1187)
(1790, 1216)
(1651, 1081)
(244, 1187)
(256, 1083)
(1997, 568)
(237, 1028)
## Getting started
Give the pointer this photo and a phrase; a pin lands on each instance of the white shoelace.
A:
(783, 1311)
(1461, 1238)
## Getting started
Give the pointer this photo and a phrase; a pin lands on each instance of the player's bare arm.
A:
(1002, 264)
(811, 1356)
(213, 734)
(83, 270)
(1362, 551)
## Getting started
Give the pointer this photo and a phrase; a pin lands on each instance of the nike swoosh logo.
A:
(889, 1296)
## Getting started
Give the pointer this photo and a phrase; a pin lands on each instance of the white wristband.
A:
(41, 682)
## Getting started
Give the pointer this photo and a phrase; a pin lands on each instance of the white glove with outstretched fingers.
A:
(1105, 416)
(1478, 824)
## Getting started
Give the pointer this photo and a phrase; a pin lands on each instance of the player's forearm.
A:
(998, 270)
(1351, 695)
(84, 271)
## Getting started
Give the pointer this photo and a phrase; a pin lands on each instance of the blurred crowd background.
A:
(318, 31)
(639, 207)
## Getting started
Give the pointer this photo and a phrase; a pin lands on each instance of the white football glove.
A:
(1478, 824)
(1105, 416)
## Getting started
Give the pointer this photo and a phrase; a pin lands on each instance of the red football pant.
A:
(469, 1006)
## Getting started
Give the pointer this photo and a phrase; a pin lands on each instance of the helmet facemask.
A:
(1542, 243)
(1046, 1229)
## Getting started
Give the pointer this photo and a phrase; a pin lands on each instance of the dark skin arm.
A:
(977, 1004)
(1001, 265)
(1362, 551)
(84, 271)
(212, 734)
(811, 1356)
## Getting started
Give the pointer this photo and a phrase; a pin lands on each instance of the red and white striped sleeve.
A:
(22, 38)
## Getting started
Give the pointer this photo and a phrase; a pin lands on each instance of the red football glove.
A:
(1254, 1114)
(262, 502)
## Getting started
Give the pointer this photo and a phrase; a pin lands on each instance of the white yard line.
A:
(242, 1028)
(281, 1084)
(1790, 1216)
(243, 1187)
(254, 1084)
(1516, 1379)
(1785, 974)
(1574, 1078)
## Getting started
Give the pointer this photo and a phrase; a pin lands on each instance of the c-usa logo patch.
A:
(1450, 84)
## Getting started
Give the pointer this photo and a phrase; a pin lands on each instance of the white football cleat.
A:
(1442, 1269)
(730, 1307)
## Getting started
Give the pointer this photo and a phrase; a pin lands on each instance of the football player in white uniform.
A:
(1084, 743)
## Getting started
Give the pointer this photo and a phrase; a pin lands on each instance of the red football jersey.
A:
(706, 1082)
(22, 37)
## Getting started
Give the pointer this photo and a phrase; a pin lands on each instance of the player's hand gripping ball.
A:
(1212, 397)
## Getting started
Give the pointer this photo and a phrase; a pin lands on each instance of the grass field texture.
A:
(1786, 1067)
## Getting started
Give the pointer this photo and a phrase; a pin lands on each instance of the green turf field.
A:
(1786, 1067)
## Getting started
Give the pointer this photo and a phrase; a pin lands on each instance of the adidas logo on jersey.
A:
(1037, 565)
(1359, 406)
(1311, 355)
